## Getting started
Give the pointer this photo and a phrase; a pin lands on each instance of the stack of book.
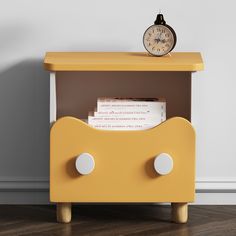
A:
(127, 113)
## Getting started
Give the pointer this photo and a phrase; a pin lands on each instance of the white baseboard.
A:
(26, 184)
(215, 191)
(24, 190)
(36, 191)
(216, 184)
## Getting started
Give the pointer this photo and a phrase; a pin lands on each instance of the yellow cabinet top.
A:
(122, 61)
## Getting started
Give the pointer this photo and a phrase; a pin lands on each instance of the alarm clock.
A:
(159, 39)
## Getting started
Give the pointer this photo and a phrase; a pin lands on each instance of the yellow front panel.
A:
(124, 163)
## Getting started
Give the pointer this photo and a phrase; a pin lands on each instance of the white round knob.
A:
(85, 163)
(163, 164)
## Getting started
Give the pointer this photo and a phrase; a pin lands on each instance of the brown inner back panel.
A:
(77, 92)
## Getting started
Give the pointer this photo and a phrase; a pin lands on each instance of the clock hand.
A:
(157, 40)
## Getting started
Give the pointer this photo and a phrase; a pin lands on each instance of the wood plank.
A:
(122, 61)
(106, 220)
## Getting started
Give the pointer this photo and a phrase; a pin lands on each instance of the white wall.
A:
(30, 28)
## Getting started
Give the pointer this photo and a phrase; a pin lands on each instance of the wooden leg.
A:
(63, 212)
(179, 212)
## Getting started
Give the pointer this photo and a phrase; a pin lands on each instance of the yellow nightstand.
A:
(123, 166)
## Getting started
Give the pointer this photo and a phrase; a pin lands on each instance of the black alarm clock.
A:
(159, 39)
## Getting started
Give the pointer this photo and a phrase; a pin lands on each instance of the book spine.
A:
(132, 106)
(127, 113)
(124, 120)
(117, 99)
(121, 127)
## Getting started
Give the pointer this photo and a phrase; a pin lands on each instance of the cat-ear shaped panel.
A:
(91, 165)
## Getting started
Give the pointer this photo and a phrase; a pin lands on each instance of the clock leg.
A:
(63, 212)
(179, 212)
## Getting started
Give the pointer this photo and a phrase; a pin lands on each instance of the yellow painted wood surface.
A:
(122, 61)
(123, 163)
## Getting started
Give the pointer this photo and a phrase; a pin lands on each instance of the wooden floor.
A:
(107, 220)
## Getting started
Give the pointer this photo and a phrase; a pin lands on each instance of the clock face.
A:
(159, 40)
